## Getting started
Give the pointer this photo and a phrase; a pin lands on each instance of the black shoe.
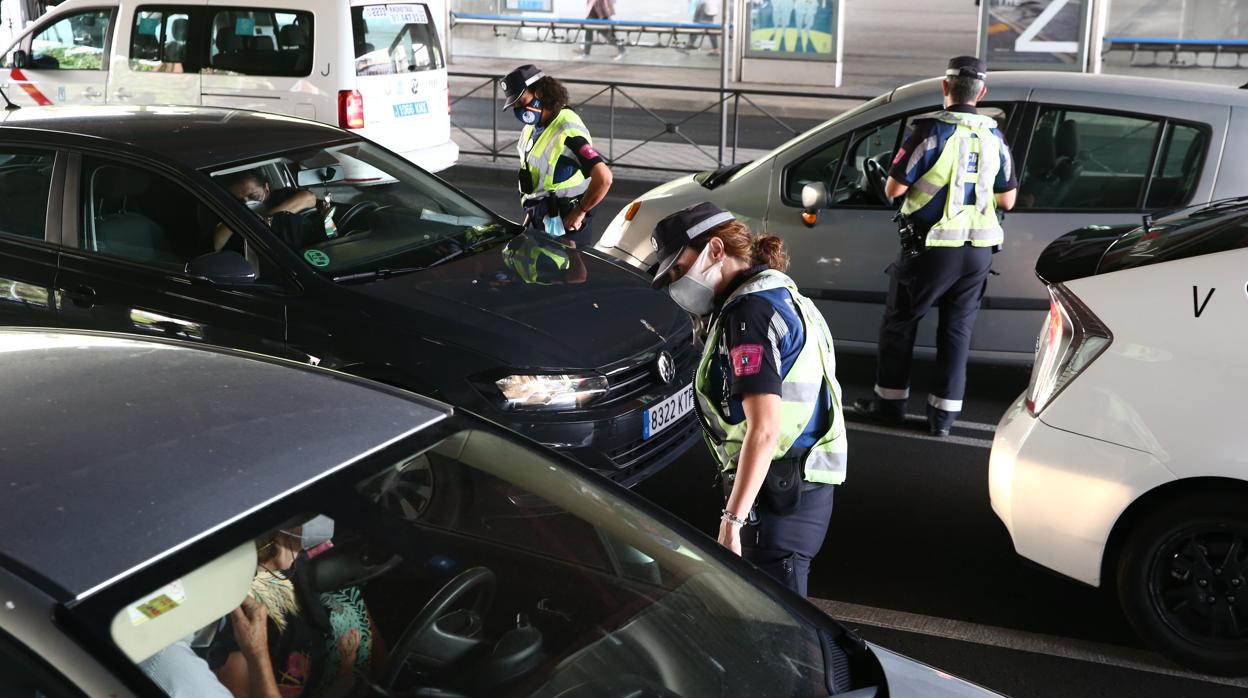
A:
(878, 410)
(939, 422)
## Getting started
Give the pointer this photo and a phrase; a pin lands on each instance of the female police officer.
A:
(560, 172)
(766, 387)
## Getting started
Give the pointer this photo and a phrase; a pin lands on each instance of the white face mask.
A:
(695, 291)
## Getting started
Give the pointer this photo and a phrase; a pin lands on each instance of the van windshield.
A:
(353, 209)
(391, 39)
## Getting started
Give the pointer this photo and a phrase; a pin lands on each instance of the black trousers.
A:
(952, 279)
(782, 545)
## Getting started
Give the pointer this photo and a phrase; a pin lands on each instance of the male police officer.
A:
(955, 171)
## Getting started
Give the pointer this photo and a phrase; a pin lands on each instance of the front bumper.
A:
(1060, 493)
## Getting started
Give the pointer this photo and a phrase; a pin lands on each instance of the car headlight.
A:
(550, 392)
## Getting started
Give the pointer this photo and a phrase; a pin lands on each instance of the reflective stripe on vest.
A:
(524, 261)
(802, 386)
(538, 159)
(972, 155)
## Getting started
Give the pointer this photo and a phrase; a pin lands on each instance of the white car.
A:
(356, 64)
(1126, 462)
(1089, 149)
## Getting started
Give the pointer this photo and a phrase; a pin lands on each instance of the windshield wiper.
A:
(377, 274)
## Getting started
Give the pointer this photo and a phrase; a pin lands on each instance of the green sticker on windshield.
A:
(316, 258)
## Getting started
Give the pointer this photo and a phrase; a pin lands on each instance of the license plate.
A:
(667, 413)
(411, 109)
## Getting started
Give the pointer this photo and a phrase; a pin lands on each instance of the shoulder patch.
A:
(747, 359)
(587, 151)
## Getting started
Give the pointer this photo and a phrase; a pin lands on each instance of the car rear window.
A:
(392, 39)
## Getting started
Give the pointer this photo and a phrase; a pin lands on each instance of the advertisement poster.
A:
(793, 29)
(529, 5)
(1035, 34)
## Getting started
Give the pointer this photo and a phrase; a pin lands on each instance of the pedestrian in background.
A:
(766, 387)
(707, 12)
(601, 9)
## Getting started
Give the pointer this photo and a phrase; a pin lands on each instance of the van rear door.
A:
(400, 74)
(262, 58)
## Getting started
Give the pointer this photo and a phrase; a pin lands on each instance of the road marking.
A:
(905, 433)
(1023, 641)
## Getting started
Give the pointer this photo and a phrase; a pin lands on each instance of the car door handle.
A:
(81, 296)
(92, 93)
(122, 93)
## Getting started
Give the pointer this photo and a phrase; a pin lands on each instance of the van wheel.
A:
(1183, 581)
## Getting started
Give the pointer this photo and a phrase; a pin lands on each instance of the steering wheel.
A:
(440, 633)
(356, 211)
(877, 177)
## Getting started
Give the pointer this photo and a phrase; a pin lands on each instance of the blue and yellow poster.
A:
(793, 29)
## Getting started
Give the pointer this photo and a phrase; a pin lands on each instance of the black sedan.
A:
(303, 241)
(401, 548)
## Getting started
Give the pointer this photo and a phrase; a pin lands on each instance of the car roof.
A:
(118, 451)
(197, 137)
(1118, 85)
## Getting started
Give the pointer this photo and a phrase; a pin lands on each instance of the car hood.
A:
(910, 679)
(570, 309)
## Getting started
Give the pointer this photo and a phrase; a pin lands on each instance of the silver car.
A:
(142, 478)
(1091, 150)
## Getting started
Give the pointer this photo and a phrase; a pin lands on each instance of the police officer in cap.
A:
(766, 387)
(561, 174)
(955, 172)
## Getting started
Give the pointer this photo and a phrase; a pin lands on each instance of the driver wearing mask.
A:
(252, 189)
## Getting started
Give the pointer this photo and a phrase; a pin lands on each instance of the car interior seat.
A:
(119, 228)
(175, 45)
(1041, 157)
(1068, 165)
(146, 47)
(292, 42)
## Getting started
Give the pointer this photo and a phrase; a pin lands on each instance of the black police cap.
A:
(967, 67)
(673, 234)
(517, 81)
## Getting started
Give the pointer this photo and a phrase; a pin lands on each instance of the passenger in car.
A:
(181, 673)
(252, 189)
(318, 643)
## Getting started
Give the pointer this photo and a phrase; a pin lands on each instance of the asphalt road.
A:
(916, 560)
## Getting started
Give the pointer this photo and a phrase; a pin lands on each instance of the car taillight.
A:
(448, 102)
(1072, 338)
(350, 109)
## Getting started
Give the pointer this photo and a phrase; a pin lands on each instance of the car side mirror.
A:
(815, 198)
(21, 59)
(225, 268)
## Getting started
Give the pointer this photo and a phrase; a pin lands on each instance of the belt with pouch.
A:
(782, 489)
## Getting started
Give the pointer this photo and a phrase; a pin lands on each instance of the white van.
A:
(378, 68)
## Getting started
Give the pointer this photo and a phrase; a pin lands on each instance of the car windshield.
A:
(1217, 228)
(354, 209)
(477, 567)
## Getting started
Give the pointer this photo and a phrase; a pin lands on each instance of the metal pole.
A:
(727, 16)
(494, 118)
(611, 133)
(736, 124)
(1096, 40)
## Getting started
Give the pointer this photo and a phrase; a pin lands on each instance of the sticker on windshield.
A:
(158, 604)
(316, 258)
(398, 14)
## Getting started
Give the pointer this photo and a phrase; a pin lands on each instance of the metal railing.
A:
(563, 30)
(729, 103)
